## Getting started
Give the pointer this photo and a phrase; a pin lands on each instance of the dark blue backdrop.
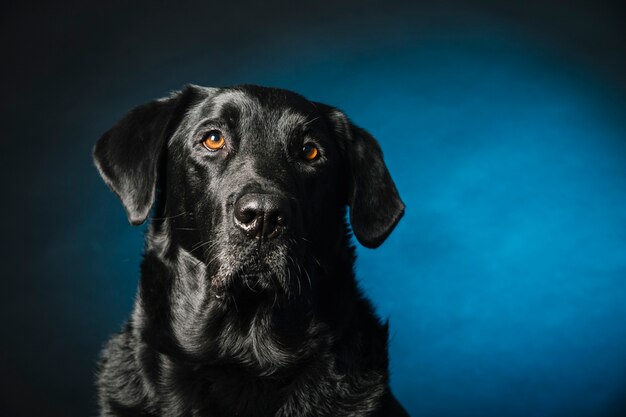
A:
(503, 127)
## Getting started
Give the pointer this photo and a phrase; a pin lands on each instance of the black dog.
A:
(247, 303)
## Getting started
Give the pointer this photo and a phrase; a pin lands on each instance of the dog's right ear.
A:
(127, 155)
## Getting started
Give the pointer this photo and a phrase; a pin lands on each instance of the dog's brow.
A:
(290, 120)
(230, 111)
(217, 122)
(234, 99)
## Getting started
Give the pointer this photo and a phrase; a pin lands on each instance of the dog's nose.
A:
(262, 216)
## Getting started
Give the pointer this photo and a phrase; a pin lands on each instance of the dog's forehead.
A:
(271, 108)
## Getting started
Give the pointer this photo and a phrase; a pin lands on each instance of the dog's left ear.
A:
(127, 155)
(375, 205)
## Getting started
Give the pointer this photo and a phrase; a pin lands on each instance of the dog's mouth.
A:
(257, 270)
(252, 282)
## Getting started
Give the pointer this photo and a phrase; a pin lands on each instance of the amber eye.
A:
(309, 152)
(213, 140)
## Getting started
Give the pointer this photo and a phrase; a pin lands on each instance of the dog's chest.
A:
(228, 391)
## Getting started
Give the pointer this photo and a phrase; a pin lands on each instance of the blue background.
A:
(503, 125)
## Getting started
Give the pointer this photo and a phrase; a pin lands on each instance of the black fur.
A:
(229, 324)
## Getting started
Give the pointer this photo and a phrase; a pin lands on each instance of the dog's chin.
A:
(249, 284)
(256, 274)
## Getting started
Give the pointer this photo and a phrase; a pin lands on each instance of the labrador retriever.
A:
(247, 303)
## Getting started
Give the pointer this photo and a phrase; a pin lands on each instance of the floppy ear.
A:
(127, 155)
(375, 205)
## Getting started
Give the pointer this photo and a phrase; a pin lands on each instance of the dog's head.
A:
(251, 181)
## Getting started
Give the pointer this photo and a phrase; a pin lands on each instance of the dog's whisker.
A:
(170, 217)
(210, 262)
(310, 121)
(310, 253)
(247, 282)
(202, 242)
(200, 245)
(309, 278)
(232, 298)
(289, 261)
(210, 247)
(316, 261)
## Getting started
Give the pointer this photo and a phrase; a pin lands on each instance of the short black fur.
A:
(247, 303)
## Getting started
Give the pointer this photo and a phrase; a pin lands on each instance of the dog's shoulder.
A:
(122, 388)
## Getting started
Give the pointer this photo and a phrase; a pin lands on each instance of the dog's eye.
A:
(213, 140)
(309, 152)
